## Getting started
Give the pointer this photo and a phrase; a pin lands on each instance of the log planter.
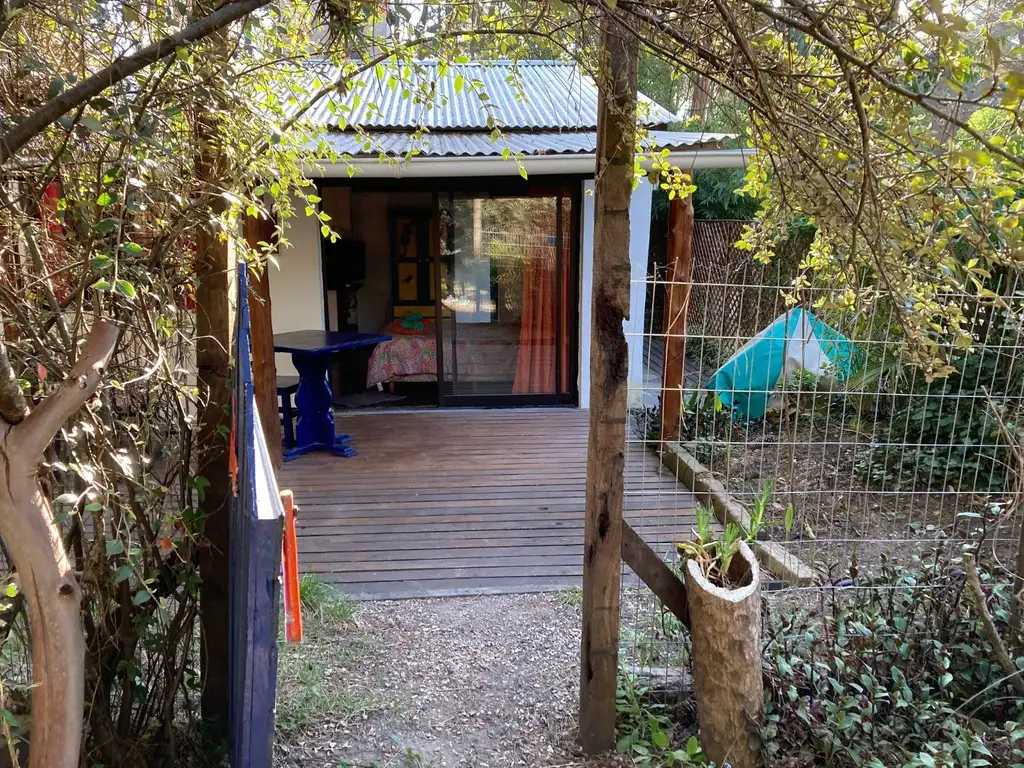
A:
(725, 628)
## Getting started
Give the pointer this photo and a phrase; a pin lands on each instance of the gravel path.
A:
(481, 682)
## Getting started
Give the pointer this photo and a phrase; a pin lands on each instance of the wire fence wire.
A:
(868, 467)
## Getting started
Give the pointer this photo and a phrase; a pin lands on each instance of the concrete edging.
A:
(699, 479)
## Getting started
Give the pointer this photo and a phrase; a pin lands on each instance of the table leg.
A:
(315, 429)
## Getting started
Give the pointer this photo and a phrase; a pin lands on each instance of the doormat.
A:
(367, 399)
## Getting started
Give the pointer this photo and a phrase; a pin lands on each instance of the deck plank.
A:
(459, 502)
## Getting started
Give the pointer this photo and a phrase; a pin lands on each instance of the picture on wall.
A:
(411, 259)
(406, 237)
(408, 281)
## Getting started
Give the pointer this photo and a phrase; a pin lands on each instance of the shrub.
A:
(900, 673)
(944, 432)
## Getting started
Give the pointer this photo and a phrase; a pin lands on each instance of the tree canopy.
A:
(895, 128)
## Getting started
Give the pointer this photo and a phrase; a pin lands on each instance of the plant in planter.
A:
(723, 588)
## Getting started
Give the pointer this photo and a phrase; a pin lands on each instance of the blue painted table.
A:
(311, 353)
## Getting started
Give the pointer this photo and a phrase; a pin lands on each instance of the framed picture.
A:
(406, 235)
(412, 267)
(408, 282)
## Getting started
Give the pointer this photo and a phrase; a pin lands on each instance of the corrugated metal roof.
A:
(518, 96)
(396, 144)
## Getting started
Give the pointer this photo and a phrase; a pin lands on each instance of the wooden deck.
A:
(454, 502)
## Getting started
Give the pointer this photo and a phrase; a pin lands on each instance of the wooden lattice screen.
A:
(733, 296)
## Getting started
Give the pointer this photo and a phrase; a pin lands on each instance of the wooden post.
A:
(609, 359)
(214, 316)
(214, 325)
(677, 302)
(264, 366)
(725, 629)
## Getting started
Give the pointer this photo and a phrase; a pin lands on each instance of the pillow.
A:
(423, 327)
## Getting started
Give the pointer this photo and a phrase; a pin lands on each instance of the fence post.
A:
(677, 302)
(609, 360)
(257, 230)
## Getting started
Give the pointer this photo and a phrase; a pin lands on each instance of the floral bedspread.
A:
(483, 352)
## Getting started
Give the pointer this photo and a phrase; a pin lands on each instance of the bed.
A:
(483, 351)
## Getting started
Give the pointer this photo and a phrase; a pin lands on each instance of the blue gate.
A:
(256, 528)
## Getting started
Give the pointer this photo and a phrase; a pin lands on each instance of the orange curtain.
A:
(538, 333)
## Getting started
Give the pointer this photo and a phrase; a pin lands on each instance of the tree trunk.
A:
(214, 320)
(725, 628)
(264, 366)
(608, 369)
(44, 572)
(701, 100)
(677, 303)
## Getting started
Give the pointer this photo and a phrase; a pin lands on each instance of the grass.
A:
(322, 601)
(310, 692)
(571, 597)
(313, 686)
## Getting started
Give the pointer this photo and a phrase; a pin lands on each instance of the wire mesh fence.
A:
(871, 474)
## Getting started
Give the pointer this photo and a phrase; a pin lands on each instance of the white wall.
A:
(586, 290)
(639, 241)
(296, 285)
(639, 245)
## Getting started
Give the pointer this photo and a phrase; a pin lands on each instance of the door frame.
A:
(497, 186)
(501, 188)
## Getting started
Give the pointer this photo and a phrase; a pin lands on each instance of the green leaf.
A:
(133, 248)
(693, 747)
(91, 123)
(123, 573)
(660, 739)
(101, 285)
(460, 83)
(104, 199)
(103, 226)
(114, 547)
(11, 590)
(56, 86)
(140, 597)
(125, 288)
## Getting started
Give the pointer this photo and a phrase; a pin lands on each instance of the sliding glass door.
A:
(507, 298)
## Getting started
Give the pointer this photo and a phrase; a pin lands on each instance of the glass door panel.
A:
(506, 298)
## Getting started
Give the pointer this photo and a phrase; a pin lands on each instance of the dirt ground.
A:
(481, 682)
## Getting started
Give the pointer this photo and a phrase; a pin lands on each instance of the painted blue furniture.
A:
(287, 386)
(311, 353)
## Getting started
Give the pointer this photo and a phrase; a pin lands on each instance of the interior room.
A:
(481, 275)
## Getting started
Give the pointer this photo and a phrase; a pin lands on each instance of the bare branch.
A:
(37, 264)
(998, 648)
(13, 407)
(26, 129)
(37, 430)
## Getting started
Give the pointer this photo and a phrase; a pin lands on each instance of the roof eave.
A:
(694, 158)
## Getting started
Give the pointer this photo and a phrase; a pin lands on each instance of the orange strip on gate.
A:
(290, 565)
